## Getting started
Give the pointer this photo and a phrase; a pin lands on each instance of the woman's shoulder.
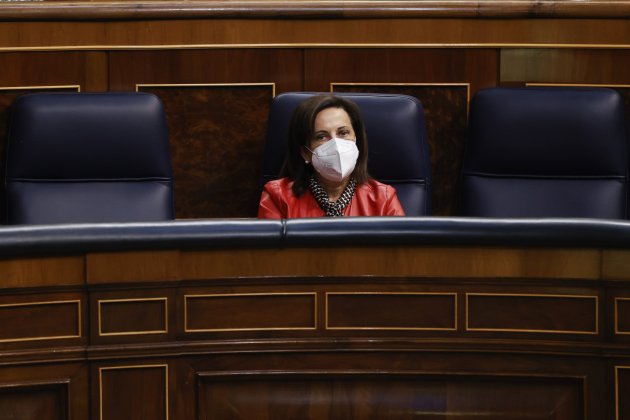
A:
(281, 184)
(372, 185)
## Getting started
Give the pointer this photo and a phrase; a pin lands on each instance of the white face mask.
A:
(335, 159)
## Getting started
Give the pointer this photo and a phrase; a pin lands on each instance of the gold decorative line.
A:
(225, 295)
(165, 330)
(272, 84)
(433, 45)
(454, 328)
(100, 382)
(617, 368)
(77, 87)
(576, 85)
(54, 337)
(467, 328)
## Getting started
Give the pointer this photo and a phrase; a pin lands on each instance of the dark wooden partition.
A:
(226, 330)
(217, 65)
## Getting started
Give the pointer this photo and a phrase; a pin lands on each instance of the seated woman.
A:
(325, 169)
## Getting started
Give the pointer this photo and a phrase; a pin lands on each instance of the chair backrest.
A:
(88, 157)
(397, 143)
(546, 152)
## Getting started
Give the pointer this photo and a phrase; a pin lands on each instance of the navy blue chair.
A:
(397, 143)
(546, 152)
(88, 158)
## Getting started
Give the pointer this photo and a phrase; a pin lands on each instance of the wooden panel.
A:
(44, 392)
(133, 392)
(217, 132)
(32, 272)
(47, 401)
(406, 311)
(446, 111)
(622, 388)
(358, 396)
(242, 65)
(133, 316)
(132, 266)
(257, 311)
(532, 313)
(622, 315)
(616, 264)
(217, 136)
(445, 107)
(392, 262)
(590, 66)
(359, 31)
(45, 319)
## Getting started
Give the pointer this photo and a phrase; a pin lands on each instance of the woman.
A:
(325, 170)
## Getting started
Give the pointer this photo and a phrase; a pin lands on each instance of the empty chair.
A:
(397, 143)
(546, 152)
(88, 157)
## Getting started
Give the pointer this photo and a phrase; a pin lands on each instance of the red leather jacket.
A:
(370, 199)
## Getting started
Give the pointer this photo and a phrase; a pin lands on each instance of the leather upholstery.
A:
(546, 152)
(344, 231)
(397, 143)
(88, 157)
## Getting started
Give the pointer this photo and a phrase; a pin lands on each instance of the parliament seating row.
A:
(535, 152)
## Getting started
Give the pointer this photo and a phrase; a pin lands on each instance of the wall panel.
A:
(216, 103)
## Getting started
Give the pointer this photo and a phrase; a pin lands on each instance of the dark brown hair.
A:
(301, 131)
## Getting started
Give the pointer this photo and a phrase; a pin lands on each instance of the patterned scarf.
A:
(332, 209)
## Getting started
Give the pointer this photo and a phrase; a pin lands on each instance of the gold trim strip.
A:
(477, 45)
(272, 84)
(77, 87)
(226, 295)
(100, 383)
(164, 331)
(595, 332)
(454, 328)
(54, 337)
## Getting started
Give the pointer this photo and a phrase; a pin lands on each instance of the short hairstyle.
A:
(301, 131)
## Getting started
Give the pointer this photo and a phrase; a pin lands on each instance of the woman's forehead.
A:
(331, 118)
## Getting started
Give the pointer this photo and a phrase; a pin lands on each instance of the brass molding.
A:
(164, 331)
(100, 383)
(454, 295)
(175, 85)
(312, 45)
(44, 87)
(54, 337)
(225, 295)
(595, 332)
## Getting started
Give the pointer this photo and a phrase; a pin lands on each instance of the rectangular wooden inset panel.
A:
(34, 402)
(133, 316)
(616, 264)
(216, 135)
(134, 392)
(281, 311)
(622, 388)
(387, 396)
(446, 110)
(407, 311)
(532, 313)
(40, 320)
(622, 315)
